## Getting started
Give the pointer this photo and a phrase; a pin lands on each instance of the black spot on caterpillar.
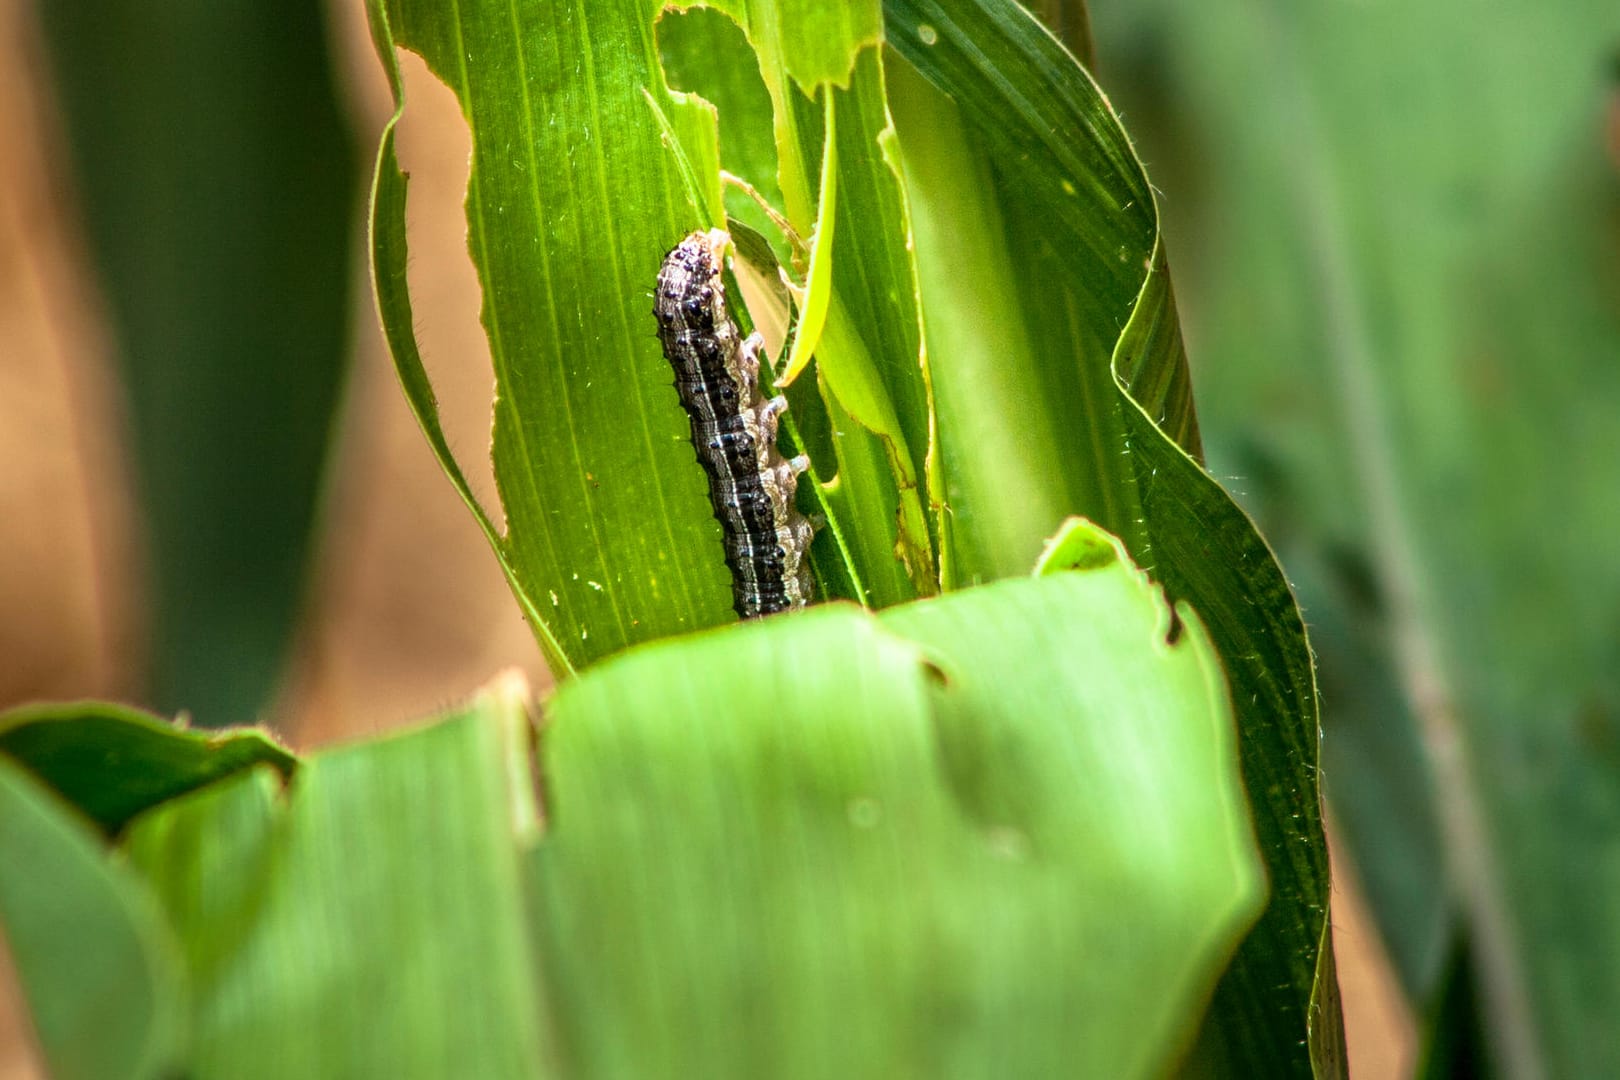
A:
(734, 430)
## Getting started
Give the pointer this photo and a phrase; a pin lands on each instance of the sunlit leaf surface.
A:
(367, 920)
(999, 833)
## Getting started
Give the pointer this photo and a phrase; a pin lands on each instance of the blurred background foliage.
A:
(1395, 232)
(217, 184)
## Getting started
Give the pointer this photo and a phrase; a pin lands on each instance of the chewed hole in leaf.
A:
(435, 150)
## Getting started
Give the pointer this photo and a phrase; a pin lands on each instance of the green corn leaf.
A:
(607, 537)
(981, 181)
(366, 921)
(99, 970)
(1053, 341)
(1002, 832)
(112, 762)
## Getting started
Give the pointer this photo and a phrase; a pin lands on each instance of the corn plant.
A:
(1029, 786)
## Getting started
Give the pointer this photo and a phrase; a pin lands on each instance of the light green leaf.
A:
(1003, 831)
(1000, 832)
(98, 968)
(810, 42)
(818, 281)
(704, 52)
(608, 535)
(869, 353)
(872, 360)
(803, 46)
(1045, 300)
(367, 922)
(1069, 395)
(607, 538)
(1078, 545)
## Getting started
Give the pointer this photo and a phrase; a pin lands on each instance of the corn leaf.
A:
(980, 179)
(1061, 388)
(998, 833)
(98, 966)
(112, 762)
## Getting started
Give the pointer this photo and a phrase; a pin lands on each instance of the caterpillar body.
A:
(751, 486)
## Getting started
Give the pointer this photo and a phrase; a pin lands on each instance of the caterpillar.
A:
(751, 486)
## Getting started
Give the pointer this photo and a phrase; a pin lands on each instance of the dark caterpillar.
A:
(734, 430)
